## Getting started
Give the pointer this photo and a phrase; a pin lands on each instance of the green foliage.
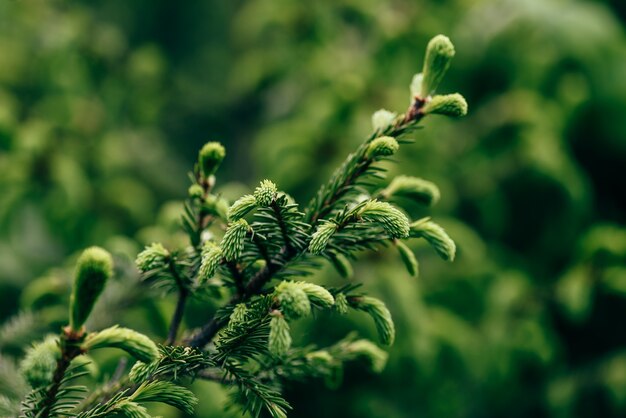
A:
(379, 313)
(93, 135)
(251, 334)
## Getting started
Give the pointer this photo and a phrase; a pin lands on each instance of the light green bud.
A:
(233, 242)
(241, 207)
(416, 85)
(210, 259)
(439, 54)
(383, 146)
(134, 343)
(293, 300)
(93, 269)
(321, 237)
(40, 362)
(152, 257)
(195, 191)
(210, 157)
(317, 294)
(453, 105)
(436, 237)
(393, 221)
(382, 119)
(423, 191)
(341, 303)
(279, 340)
(380, 314)
(265, 193)
(238, 315)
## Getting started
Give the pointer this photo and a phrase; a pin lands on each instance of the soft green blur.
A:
(103, 106)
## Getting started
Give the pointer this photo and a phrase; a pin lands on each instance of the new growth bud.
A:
(93, 268)
(439, 53)
(341, 303)
(382, 119)
(423, 191)
(134, 343)
(233, 241)
(293, 300)
(241, 207)
(279, 340)
(453, 105)
(210, 158)
(265, 193)
(436, 237)
(211, 257)
(317, 294)
(40, 361)
(152, 257)
(383, 146)
(394, 222)
(195, 191)
(321, 237)
(380, 314)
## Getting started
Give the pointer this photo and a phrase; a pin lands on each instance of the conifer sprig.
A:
(259, 250)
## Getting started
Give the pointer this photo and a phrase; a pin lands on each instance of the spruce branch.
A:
(268, 249)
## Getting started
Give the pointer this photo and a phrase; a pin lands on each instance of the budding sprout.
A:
(279, 340)
(423, 191)
(241, 207)
(233, 241)
(210, 158)
(293, 300)
(93, 269)
(382, 119)
(152, 257)
(321, 237)
(134, 343)
(38, 365)
(453, 105)
(383, 146)
(393, 221)
(211, 257)
(436, 237)
(265, 193)
(380, 314)
(439, 53)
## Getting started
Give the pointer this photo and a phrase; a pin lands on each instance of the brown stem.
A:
(70, 349)
(177, 318)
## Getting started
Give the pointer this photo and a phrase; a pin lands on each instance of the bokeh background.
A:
(103, 106)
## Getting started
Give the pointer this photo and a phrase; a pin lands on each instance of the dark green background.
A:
(104, 104)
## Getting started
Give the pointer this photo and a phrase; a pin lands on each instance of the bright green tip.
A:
(210, 157)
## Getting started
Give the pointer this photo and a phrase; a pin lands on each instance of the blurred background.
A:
(103, 106)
